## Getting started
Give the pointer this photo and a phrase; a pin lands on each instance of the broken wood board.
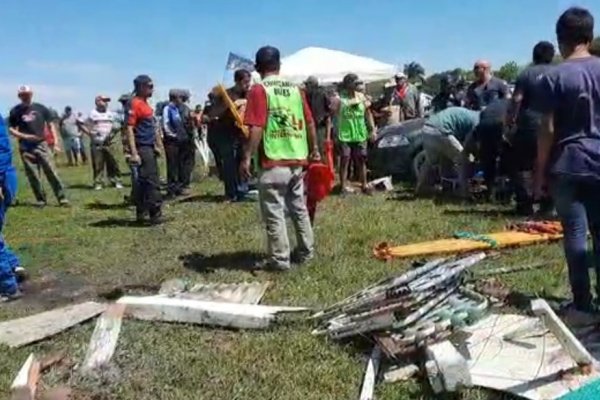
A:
(531, 366)
(568, 340)
(229, 315)
(105, 337)
(456, 246)
(27, 330)
(368, 386)
(399, 373)
(25, 384)
(450, 368)
(243, 293)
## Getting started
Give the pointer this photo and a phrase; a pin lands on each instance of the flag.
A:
(235, 61)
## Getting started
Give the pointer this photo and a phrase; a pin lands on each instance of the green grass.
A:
(71, 258)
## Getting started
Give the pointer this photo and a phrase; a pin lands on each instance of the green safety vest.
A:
(285, 136)
(351, 121)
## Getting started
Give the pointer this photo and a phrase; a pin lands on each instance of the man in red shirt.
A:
(283, 132)
(143, 139)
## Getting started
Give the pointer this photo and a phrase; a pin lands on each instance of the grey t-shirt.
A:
(528, 84)
(571, 92)
(479, 96)
(69, 127)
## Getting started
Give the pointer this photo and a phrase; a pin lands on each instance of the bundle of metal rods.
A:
(401, 303)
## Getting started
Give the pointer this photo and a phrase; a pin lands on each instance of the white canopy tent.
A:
(331, 66)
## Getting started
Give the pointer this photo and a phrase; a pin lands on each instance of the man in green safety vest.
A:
(283, 132)
(352, 115)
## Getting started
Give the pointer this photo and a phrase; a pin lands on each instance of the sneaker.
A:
(270, 266)
(118, 186)
(578, 319)
(157, 218)
(64, 203)
(41, 204)
(6, 298)
(21, 274)
(300, 258)
(98, 187)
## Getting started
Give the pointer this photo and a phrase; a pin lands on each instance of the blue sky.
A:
(70, 50)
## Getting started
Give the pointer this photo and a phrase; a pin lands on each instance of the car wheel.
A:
(418, 161)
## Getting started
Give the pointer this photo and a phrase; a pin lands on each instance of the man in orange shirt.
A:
(143, 143)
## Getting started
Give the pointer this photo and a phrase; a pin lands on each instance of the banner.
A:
(235, 61)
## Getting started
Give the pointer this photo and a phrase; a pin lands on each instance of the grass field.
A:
(90, 251)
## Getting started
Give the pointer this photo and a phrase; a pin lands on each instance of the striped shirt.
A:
(101, 125)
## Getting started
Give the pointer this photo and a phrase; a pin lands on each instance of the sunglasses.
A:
(149, 85)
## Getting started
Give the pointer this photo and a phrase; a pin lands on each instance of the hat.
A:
(24, 89)
(141, 80)
(268, 56)
(312, 80)
(350, 79)
(102, 97)
(124, 98)
(400, 75)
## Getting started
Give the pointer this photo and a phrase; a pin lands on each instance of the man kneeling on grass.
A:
(283, 133)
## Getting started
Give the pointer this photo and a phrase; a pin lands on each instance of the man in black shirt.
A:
(321, 111)
(229, 138)
(524, 121)
(28, 122)
(486, 88)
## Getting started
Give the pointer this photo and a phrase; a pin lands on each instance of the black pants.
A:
(211, 139)
(180, 165)
(148, 198)
(521, 156)
(230, 152)
(489, 136)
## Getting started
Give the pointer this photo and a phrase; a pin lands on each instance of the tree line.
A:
(508, 72)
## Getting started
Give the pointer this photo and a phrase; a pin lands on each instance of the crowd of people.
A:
(544, 136)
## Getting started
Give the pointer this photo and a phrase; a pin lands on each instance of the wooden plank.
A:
(447, 246)
(243, 316)
(566, 338)
(105, 337)
(368, 386)
(25, 384)
(24, 331)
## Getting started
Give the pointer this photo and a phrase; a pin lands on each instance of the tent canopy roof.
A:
(332, 65)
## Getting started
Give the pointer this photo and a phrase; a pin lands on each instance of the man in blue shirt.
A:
(568, 160)
(9, 263)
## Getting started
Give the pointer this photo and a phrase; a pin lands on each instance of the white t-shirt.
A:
(100, 125)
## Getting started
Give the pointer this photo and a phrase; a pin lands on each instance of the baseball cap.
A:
(350, 79)
(141, 80)
(124, 98)
(24, 89)
(268, 56)
(400, 75)
(312, 80)
(102, 97)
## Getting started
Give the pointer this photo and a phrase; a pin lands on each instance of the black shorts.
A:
(356, 150)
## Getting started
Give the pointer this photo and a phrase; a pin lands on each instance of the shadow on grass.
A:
(239, 260)
(104, 206)
(119, 223)
(202, 198)
(403, 196)
(80, 186)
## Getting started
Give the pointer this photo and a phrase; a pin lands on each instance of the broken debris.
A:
(229, 315)
(25, 384)
(242, 293)
(24, 331)
(104, 339)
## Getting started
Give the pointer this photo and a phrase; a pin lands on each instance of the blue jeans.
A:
(8, 260)
(230, 152)
(578, 206)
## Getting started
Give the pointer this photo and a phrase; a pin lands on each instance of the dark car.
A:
(398, 150)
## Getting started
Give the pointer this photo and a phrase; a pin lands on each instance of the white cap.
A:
(24, 89)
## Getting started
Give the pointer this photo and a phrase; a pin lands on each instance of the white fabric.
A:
(101, 125)
(331, 66)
